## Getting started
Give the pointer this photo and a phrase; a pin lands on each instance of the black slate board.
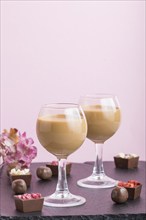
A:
(98, 205)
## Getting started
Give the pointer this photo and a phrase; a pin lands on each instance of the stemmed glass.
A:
(103, 116)
(61, 129)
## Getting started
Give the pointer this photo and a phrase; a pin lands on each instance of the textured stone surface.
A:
(103, 217)
(98, 205)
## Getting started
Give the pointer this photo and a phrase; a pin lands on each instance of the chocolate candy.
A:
(29, 202)
(44, 172)
(130, 183)
(119, 194)
(28, 196)
(54, 167)
(19, 186)
(133, 187)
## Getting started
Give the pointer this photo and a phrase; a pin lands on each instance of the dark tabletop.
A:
(98, 201)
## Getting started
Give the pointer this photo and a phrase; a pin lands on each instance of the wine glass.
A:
(103, 116)
(61, 129)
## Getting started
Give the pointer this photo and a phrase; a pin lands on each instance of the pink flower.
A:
(20, 153)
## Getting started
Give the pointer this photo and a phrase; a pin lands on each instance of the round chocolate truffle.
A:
(44, 173)
(119, 194)
(19, 186)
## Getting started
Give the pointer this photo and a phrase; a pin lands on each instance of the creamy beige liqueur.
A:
(103, 122)
(61, 135)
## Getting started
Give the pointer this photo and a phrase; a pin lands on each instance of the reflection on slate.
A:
(98, 205)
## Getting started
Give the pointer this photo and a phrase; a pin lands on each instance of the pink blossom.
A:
(21, 153)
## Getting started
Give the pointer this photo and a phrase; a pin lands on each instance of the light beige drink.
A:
(61, 135)
(103, 122)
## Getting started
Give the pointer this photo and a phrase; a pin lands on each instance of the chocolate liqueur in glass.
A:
(103, 116)
(61, 129)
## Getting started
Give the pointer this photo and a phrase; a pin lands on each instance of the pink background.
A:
(55, 51)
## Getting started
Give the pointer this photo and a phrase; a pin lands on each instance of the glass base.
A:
(99, 182)
(63, 200)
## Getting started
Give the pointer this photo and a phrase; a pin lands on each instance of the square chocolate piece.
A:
(126, 163)
(133, 187)
(25, 177)
(134, 192)
(54, 168)
(30, 205)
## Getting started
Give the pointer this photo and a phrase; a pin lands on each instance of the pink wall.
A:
(55, 51)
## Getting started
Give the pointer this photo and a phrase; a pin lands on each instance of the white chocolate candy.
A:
(126, 156)
(15, 171)
(134, 155)
(122, 155)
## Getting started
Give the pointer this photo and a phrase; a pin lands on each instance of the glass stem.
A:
(98, 170)
(62, 186)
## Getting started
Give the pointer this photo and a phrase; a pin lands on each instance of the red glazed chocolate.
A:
(29, 202)
(133, 187)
